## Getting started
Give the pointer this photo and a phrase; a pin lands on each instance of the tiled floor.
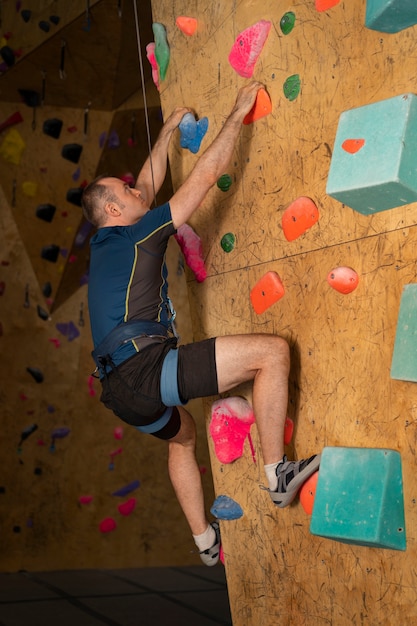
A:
(172, 596)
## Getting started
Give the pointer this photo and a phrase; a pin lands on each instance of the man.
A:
(146, 378)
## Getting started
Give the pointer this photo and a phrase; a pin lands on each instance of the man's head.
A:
(109, 201)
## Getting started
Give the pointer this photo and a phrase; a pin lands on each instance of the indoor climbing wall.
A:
(311, 233)
(77, 488)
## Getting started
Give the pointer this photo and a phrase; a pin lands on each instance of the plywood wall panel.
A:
(341, 393)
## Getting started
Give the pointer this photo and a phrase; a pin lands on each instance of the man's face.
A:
(131, 204)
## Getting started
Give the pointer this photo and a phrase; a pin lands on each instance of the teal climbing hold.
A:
(162, 53)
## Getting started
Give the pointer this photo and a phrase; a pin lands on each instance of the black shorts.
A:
(133, 389)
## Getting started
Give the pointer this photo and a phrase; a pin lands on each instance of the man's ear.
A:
(112, 209)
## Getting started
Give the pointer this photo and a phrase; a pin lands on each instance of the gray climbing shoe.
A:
(211, 556)
(291, 476)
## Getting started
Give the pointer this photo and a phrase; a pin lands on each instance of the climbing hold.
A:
(15, 118)
(224, 182)
(74, 195)
(7, 55)
(126, 508)
(228, 242)
(353, 145)
(247, 48)
(118, 432)
(44, 315)
(47, 290)
(301, 215)
(55, 19)
(188, 25)
(287, 22)
(268, 290)
(113, 141)
(72, 152)
(292, 87)
(261, 108)
(26, 15)
(161, 48)
(46, 212)
(123, 491)
(107, 525)
(69, 330)
(226, 508)
(192, 132)
(30, 188)
(231, 420)
(36, 374)
(85, 499)
(308, 492)
(45, 26)
(52, 127)
(12, 147)
(343, 279)
(190, 244)
(82, 234)
(150, 54)
(50, 253)
(288, 430)
(27, 432)
(324, 5)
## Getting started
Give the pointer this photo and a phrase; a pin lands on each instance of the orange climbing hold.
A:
(301, 215)
(324, 5)
(261, 108)
(343, 279)
(188, 25)
(353, 145)
(308, 493)
(268, 290)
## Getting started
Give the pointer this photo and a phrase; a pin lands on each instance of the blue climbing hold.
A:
(192, 132)
(226, 508)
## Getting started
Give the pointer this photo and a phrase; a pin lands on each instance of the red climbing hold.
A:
(324, 5)
(343, 279)
(261, 108)
(308, 492)
(268, 290)
(301, 215)
(353, 145)
(126, 508)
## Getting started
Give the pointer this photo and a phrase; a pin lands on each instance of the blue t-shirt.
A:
(128, 276)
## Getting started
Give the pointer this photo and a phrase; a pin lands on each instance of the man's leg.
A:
(186, 480)
(265, 359)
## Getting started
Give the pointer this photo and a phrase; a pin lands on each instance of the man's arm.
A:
(212, 164)
(153, 172)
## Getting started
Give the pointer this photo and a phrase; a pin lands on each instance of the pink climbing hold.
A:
(190, 244)
(231, 420)
(126, 508)
(247, 48)
(150, 54)
(85, 499)
(107, 525)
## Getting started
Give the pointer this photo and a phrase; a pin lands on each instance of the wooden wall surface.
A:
(341, 393)
(43, 525)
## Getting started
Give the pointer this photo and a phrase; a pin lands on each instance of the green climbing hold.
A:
(287, 22)
(292, 87)
(228, 242)
(225, 182)
(161, 48)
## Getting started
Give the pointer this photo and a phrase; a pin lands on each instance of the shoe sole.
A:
(284, 499)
